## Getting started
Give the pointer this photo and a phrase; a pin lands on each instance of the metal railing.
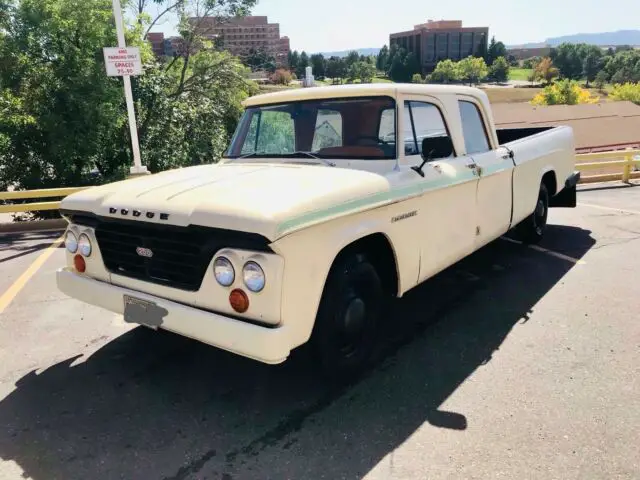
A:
(625, 159)
(31, 194)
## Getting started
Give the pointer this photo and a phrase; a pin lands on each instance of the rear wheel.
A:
(532, 229)
(345, 330)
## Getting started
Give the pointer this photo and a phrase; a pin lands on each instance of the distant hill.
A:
(361, 51)
(621, 37)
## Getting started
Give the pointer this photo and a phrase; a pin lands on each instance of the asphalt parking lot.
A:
(515, 363)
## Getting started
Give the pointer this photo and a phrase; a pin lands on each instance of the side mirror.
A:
(436, 147)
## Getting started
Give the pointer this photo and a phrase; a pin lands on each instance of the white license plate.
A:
(143, 312)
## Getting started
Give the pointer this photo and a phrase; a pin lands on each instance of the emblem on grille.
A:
(144, 252)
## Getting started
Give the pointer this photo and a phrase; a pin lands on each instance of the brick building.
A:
(242, 34)
(439, 40)
(157, 43)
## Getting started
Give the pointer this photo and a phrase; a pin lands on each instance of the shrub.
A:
(281, 77)
(565, 92)
(626, 91)
(417, 78)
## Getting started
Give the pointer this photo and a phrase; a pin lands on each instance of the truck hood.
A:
(268, 199)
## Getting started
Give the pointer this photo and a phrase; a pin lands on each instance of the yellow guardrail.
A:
(30, 194)
(626, 159)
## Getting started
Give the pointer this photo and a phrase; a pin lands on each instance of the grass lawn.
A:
(519, 73)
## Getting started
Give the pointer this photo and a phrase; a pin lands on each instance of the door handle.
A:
(476, 169)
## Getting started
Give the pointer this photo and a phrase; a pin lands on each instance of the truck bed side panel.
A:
(548, 151)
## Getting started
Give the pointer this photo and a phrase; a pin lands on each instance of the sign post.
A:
(123, 61)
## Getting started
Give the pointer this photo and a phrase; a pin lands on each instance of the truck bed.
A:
(507, 135)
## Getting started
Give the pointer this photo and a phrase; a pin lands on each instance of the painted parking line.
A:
(601, 207)
(8, 296)
(546, 251)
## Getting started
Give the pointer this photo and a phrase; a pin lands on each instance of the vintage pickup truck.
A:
(328, 202)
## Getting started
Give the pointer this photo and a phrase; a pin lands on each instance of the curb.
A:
(35, 226)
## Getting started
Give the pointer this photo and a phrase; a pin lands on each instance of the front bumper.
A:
(265, 344)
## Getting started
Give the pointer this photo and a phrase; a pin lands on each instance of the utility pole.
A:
(138, 168)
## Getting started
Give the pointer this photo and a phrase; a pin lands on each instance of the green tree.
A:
(68, 119)
(446, 71)
(499, 70)
(417, 78)
(363, 71)
(303, 63)
(569, 59)
(336, 69)
(318, 63)
(496, 50)
(382, 59)
(260, 60)
(601, 79)
(352, 57)
(592, 63)
(473, 70)
(294, 58)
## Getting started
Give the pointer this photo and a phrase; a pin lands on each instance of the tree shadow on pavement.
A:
(149, 405)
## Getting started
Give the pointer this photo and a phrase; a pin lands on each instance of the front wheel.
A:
(532, 229)
(345, 331)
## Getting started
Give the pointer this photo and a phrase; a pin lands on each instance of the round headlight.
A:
(253, 276)
(71, 242)
(223, 271)
(84, 245)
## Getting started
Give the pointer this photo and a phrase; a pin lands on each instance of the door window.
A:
(423, 120)
(475, 135)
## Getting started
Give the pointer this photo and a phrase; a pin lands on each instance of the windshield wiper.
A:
(311, 155)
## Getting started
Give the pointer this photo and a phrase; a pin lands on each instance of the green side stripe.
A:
(382, 198)
(376, 199)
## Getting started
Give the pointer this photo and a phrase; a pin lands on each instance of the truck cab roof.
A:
(360, 90)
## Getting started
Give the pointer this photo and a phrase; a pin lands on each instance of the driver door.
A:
(448, 202)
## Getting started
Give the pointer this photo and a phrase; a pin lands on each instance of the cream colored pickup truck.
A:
(329, 201)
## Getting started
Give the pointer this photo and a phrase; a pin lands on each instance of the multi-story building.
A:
(157, 43)
(439, 40)
(243, 34)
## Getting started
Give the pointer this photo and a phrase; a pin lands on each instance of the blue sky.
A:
(328, 25)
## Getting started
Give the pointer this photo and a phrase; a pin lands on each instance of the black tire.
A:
(345, 330)
(532, 229)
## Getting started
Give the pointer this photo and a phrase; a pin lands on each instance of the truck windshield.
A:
(362, 128)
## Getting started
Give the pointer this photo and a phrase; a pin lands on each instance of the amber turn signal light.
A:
(79, 263)
(239, 300)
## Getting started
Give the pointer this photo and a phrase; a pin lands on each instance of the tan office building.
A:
(439, 40)
(240, 35)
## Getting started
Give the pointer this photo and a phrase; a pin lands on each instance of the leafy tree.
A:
(569, 59)
(260, 60)
(336, 69)
(601, 79)
(546, 70)
(352, 57)
(363, 71)
(592, 63)
(473, 70)
(303, 63)
(281, 77)
(382, 59)
(564, 92)
(294, 59)
(446, 71)
(496, 50)
(67, 119)
(624, 67)
(531, 63)
(417, 78)
(318, 63)
(499, 70)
